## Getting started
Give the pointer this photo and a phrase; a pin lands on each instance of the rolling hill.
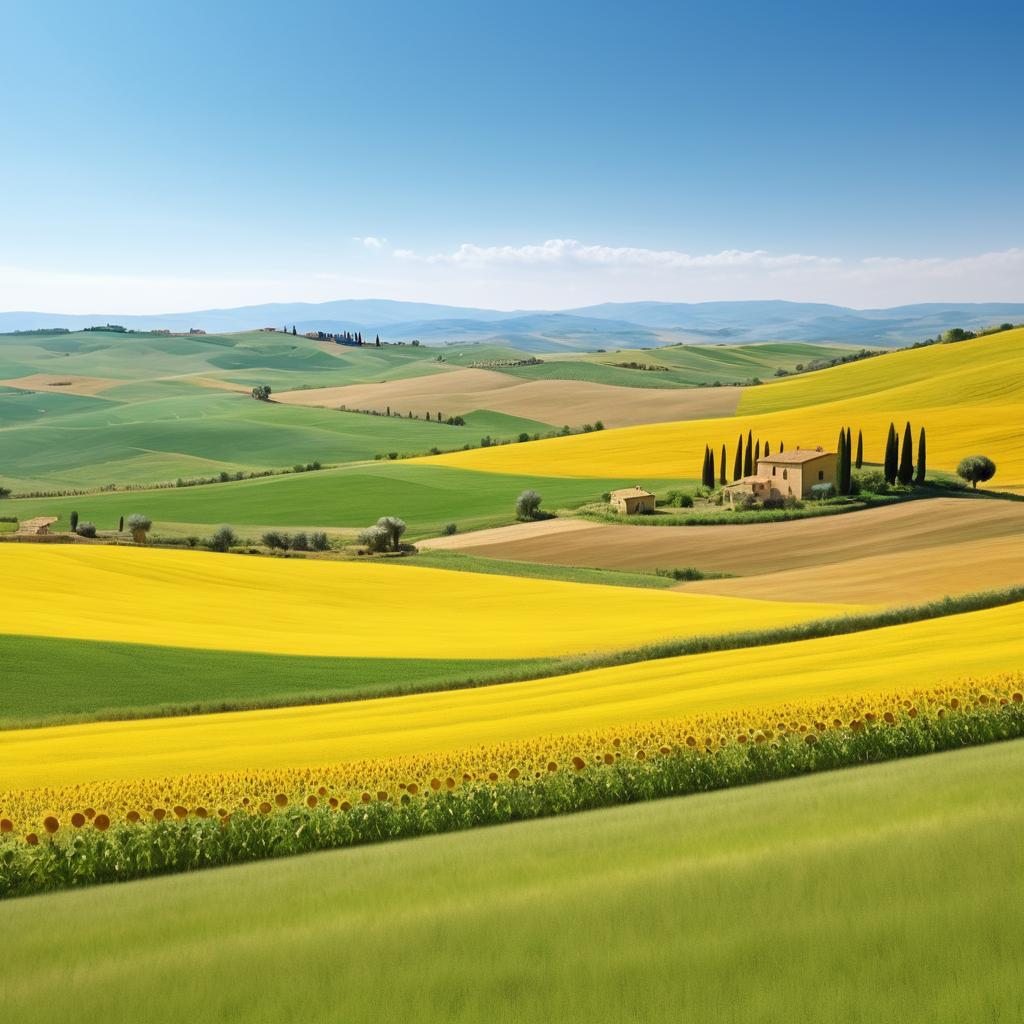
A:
(969, 396)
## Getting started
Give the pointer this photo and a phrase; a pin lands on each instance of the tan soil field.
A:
(908, 577)
(62, 383)
(557, 402)
(915, 526)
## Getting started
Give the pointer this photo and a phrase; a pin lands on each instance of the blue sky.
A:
(160, 157)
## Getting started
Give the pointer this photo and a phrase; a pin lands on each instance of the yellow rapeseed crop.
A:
(342, 786)
(922, 654)
(969, 397)
(231, 602)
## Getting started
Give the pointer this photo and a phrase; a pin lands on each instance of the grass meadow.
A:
(849, 897)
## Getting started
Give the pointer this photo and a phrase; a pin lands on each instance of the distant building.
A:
(161, 330)
(315, 335)
(786, 474)
(196, 330)
(632, 501)
(269, 330)
(36, 527)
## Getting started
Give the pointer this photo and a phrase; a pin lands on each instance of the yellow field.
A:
(968, 396)
(343, 786)
(921, 655)
(356, 609)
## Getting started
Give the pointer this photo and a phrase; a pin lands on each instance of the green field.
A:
(426, 497)
(62, 680)
(871, 894)
(459, 561)
(161, 418)
(688, 365)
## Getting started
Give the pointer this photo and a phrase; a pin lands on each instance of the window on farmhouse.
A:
(821, 474)
(785, 474)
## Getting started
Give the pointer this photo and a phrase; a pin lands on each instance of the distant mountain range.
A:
(609, 325)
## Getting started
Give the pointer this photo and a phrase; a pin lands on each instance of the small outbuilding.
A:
(36, 527)
(632, 501)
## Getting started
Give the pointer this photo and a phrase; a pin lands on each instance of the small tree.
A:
(139, 526)
(922, 459)
(223, 539)
(905, 473)
(74, 521)
(300, 542)
(85, 529)
(393, 527)
(120, 525)
(976, 469)
(721, 469)
(528, 505)
(261, 392)
(319, 541)
(374, 538)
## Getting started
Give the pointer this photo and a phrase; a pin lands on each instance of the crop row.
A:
(154, 827)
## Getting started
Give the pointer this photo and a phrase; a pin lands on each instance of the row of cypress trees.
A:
(899, 459)
(747, 455)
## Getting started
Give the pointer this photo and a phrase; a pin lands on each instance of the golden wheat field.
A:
(969, 397)
(204, 600)
(342, 786)
(915, 654)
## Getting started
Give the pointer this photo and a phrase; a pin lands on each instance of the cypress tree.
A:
(377, 342)
(905, 473)
(922, 458)
(860, 448)
(710, 482)
(840, 461)
(721, 469)
(757, 452)
(891, 455)
(847, 462)
(766, 452)
(704, 467)
(74, 521)
(748, 457)
(737, 469)
(120, 525)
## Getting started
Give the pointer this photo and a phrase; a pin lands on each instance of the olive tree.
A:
(374, 538)
(976, 469)
(138, 526)
(393, 527)
(528, 505)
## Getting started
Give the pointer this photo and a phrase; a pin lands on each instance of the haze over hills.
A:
(620, 325)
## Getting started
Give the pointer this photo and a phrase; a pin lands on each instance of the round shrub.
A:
(85, 529)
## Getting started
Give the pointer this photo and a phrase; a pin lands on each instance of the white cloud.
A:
(371, 241)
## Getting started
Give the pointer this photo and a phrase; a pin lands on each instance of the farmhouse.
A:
(196, 330)
(632, 500)
(36, 527)
(787, 474)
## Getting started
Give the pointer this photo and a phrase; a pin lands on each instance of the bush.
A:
(223, 539)
(300, 542)
(528, 506)
(449, 529)
(392, 456)
(138, 526)
(746, 502)
(792, 501)
(523, 437)
(85, 529)
(679, 499)
(819, 492)
(774, 502)
(976, 469)
(275, 539)
(871, 480)
(374, 538)
(319, 541)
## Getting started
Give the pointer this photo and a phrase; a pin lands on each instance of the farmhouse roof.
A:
(795, 457)
(632, 492)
